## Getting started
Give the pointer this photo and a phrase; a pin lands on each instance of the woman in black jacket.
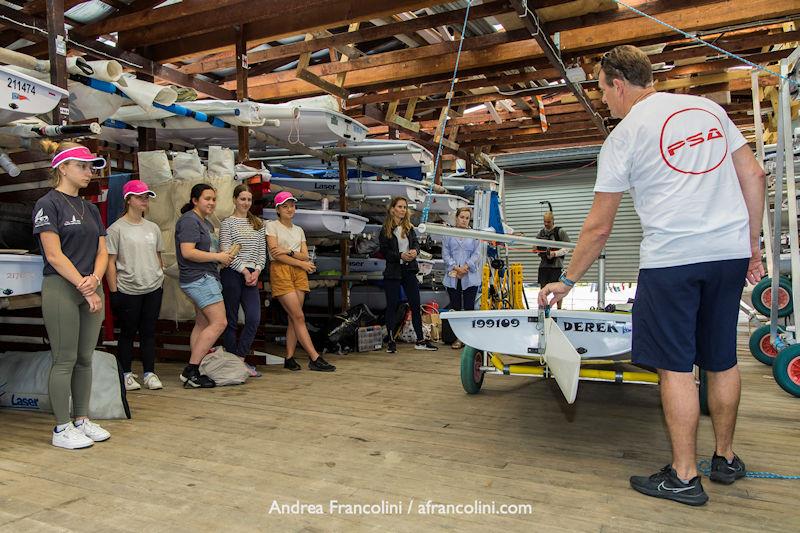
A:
(400, 248)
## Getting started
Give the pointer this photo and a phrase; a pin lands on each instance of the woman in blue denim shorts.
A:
(198, 255)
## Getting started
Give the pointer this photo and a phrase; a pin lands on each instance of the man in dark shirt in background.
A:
(553, 258)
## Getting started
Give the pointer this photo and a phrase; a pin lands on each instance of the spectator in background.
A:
(552, 258)
(135, 275)
(400, 247)
(462, 256)
(240, 279)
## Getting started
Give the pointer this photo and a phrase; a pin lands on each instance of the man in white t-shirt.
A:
(699, 194)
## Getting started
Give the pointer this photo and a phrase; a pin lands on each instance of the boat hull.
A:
(20, 274)
(22, 96)
(323, 223)
(595, 335)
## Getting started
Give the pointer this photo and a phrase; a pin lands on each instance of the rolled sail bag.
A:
(24, 380)
(221, 162)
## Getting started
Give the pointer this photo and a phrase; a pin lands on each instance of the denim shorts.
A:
(204, 291)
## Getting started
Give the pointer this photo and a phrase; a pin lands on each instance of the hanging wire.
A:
(428, 199)
(708, 44)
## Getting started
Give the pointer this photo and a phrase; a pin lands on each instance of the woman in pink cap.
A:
(289, 268)
(135, 275)
(73, 242)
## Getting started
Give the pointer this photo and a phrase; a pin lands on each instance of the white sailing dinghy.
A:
(563, 340)
(320, 223)
(354, 264)
(23, 96)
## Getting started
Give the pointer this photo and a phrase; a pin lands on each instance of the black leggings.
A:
(137, 312)
(392, 289)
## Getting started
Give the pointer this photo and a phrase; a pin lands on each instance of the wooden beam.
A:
(423, 138)
(102, 51)
(443, 87)
(116, 4)
(537, 139)
(367, 34)
(720, 65)
(57, 52)
(34, 7)
(164, 15)
(242, 68)
(325, 85)
(415, 54)
(573, 127)
(572, 42)
(551, 51)
(265, 18)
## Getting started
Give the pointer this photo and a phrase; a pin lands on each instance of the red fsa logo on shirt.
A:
(704, 146)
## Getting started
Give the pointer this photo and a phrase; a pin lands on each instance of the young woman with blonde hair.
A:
(73, 242)
(400, 247)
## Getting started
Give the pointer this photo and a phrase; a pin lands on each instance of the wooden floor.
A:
(397, 428)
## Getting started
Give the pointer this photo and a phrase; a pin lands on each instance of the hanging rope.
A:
(708, 44)
(427, 207)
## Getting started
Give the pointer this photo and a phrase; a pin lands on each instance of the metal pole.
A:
(439, 229)
(788, 146)
(344, 245)
(780, 161)
(601, 280)
(759, 131)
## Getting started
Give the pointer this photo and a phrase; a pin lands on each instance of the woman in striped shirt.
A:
(240, 279)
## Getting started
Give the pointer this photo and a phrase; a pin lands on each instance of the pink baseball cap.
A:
(283, 197)
(137, 187)
(79, 153)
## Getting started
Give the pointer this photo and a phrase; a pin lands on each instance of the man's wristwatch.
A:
(565, 280)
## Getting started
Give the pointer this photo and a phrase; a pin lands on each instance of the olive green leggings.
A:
(73, 333)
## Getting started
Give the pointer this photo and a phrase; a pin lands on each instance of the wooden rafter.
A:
(551, 51)
(573, 41)
(266, 19)
(292, 50)
(128, 59)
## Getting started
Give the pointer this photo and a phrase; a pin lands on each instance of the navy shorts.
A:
(687, 315)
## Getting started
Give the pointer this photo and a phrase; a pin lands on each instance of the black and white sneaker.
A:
(192, 378)
(391, 347)
(321, 365)
(426, 345)
(724, 472)
(666, 484)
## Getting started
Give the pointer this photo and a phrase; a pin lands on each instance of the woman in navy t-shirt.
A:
(73, 243)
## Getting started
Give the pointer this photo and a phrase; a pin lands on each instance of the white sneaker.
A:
(71, 438)
(130, 382)
(93, 431)
(152, 382)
